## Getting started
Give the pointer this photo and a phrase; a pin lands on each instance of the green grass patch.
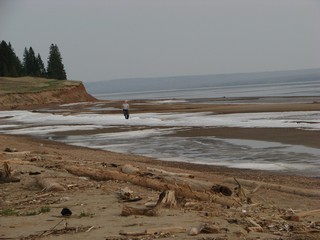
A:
(32, 213)
(12, 212)
(32, 84)
(86, 214)
(44, 209)
(9, 212)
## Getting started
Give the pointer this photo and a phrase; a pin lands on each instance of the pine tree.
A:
(55, 68)
(10, 64)
(42, 70)
(30, 63)
(25, 60)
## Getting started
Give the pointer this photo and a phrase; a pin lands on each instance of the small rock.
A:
(66, 212)
(10, 150)
(193, 231)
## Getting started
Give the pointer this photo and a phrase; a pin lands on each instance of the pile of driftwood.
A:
(183, 185)
(179, 189)
(175, 188)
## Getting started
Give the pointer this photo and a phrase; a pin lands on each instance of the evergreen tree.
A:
(26, 62)
(10, 64)
(33, 63)
(30, 63)
(55, 68)
(3, 59)
(42, 70)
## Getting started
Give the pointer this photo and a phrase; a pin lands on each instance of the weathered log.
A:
(169, 199)
(276, 187)
(315, 212)
(48, 184)
(182, 191)
(204, 228)
(194, 184)
(129, 169)
(157, 170)
(154, 231)
(210, 228)
(128, 211)
(296, 217)
(254, 229)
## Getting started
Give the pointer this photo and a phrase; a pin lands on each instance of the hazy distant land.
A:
(202, 81)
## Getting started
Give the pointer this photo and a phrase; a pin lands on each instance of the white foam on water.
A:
(156, 143)
(306, 119)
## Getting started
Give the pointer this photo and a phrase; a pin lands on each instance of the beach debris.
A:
(315, 212)
(92, 227)
(126, 195)
(281, 188)
(193, 231)
(66, 212)
(34, 173)
(184, 189)
(164, 230)
(217, 188)
(48, 184)
(253, 225)
(155, 232)
(296, 217)
(114, 165)
(157, 170)
(6, 174)
(208, 228)
(166, 199)
(239, 191)
(129, 169)
(8, 149)
(65, 230)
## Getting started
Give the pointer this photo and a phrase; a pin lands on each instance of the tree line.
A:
(31, 64)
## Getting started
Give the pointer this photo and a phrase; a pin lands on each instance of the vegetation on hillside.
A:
(32, 84)
(32, 64)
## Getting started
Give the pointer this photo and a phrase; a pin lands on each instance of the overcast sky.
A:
(110, 39)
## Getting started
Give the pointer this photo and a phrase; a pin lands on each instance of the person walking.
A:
(125, 109)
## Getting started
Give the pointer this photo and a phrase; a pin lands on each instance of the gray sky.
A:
(110, 39)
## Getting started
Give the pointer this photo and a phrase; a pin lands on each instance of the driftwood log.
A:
(280, 188)
(157, 170)
(159, 185)
(155, 231)
(48, 184)
(129, 169)
(204, 228)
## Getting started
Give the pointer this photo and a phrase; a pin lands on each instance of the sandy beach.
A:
(270, 205)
